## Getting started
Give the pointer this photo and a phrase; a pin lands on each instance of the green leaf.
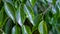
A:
(3, 17)
(23, 1)
(8, 26)
(29, 13)
(9, 9)
(35, 10)
(37, 20)
(16, 30)
(42, 28)
(33, 2)
(54, 2)
(20, 16)
(9, 1)
(26, 30)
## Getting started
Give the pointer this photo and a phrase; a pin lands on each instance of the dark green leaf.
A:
(8, 26)
(23, 1)
(37, 19)
(3, 17)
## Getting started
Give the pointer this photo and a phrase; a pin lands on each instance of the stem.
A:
(46, 10)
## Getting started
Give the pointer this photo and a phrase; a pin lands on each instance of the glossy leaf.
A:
(29, 14)
(16, 30)
(42, 28)
(20, 16)
(26, 30)
(9, 9)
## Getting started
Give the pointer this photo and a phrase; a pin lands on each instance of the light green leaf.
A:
(42, 28)
(26, 30)
(9, 9)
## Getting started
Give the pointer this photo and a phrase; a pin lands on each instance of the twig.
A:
(46, 10)
(2, 31)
